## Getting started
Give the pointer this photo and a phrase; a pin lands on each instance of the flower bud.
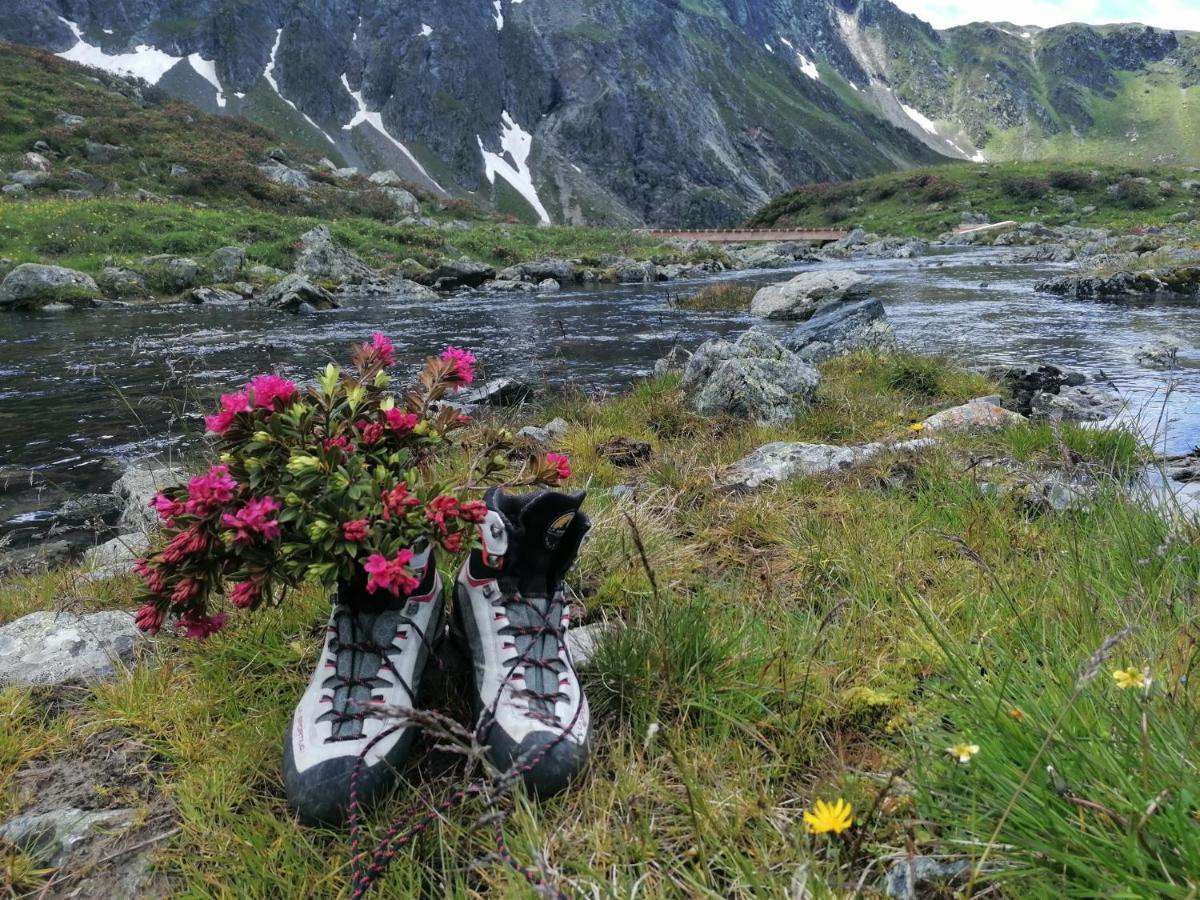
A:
(252, 464)
(422, 428)
(301, 464)
(262, 437)
(227, 458)
(319, 529)
(293, 499)
(382, 379)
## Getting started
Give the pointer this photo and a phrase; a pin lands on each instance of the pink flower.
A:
(382, 345)
(191, 542)
(561, 463)
(391, 575)
(231, 405)
(185, 591)
(473, 511)
(167, 509)
(200, 627)
(453, 543)
(208, 491)
(253, 521)
(243, 594)
(370, 433)
(401, 422)
(270, 389)
(356, 532)
(398, 501)
(439, 509)
(149, 619)
(155, 582)
(464, 364)
(341, 442)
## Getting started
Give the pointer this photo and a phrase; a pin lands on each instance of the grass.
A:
(796, 644)
(929, 202)
(727, 295)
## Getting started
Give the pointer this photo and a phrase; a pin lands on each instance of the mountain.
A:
(684, 112)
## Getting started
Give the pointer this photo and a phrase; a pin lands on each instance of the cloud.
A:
(1175, 14)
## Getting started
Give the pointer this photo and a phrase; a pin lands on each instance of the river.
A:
(83, 392)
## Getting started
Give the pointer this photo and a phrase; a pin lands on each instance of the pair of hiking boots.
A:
(510, 617)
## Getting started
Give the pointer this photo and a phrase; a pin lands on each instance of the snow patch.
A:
(269, 74)
(207, 69)
(375, 120)
(515, 143)
(144, 62)
(808, 67)
(925, 123)
(426, 31)
(979, 157)
(770, 49)
(576, 168)
(786, 43)
(499, 15)
(1026, 35)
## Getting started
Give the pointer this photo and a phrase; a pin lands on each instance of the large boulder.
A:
(34, 286)
(286, 176)
(319, 257)
(782, 461)
(117, 556)
(561, 270)
(801, 297)
(460, 273)
(295, 293)
(46, 648)
(756, 377)
(30, 178)
(842, 328)
(1181, 281)
(386, 178)
(171, 273)
(405, 202)
(98, 152)
(122, 284)
(141, 481)
(226, 263)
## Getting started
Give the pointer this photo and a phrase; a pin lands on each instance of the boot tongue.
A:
(544, 521)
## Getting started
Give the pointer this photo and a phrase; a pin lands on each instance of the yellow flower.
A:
(917, 426)
(963, 752)
(825, 817)
(1132, 678)
(1017, 714)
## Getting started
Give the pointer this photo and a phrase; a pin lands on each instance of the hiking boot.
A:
(510, 613)
(375, 653)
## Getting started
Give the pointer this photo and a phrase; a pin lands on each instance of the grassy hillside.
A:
(828, 639)
(931, 201)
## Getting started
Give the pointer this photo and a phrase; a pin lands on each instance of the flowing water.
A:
(83, 392)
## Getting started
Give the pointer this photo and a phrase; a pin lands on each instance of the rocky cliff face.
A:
(603, 111)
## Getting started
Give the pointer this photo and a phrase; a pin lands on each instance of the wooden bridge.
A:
(749, 235)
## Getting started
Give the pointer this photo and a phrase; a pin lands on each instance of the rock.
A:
(1184, 469)
(243, 289)
(547, 434)
(1043, 253)
(29, 179)
(769, 256)
(1183, 281)
(177, 171)
(756, 377)
(675, 361)
(102, 153)
(68, 120)
(625, 453)
(260, 271)
(497, 392)
(55, 648)
(1025, 384)
(386, 178)
(77, 195)
(782, 461)
(973, 417)
(34, 558)
(975, 218)
(549, 286)
(631, 272)
(93, 183)
(43, 148)
(226, 263)
(1085, 403)
(295, 291)
(141, 481)
(842, 328)
(50, 838)
(89, 509)
(278, 154)
(1058, 493)
(924, 876)
(624, 493)
(560, 270)
(799, 298)
(404, 201)
(122, 284)
(1160, 354)
(116, 557)
(583, 641)
(856, 238)
(345, 174)
(175, 274)
(288, 177)
(507, 286)
(31, 286)
(455, 274)
(14, 191)
(216, 297)
(319, 257)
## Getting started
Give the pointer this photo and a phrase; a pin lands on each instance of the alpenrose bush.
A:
(328, 486)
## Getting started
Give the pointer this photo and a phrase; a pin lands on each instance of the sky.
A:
(1175, 14)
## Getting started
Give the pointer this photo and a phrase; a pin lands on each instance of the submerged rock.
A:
(34, 286)
(1183, 281)
(1160, 354)
(801, 297)
(756, 377)
(56, 648)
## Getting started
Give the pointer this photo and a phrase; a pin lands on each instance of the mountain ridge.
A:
(685, 112)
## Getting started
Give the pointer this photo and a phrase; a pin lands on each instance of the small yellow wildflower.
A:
(963, 752)
(825, 817)
(1131, 678)
(917, 426)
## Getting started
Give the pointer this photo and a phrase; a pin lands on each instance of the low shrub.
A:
(1020, 187)
(733, 295)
